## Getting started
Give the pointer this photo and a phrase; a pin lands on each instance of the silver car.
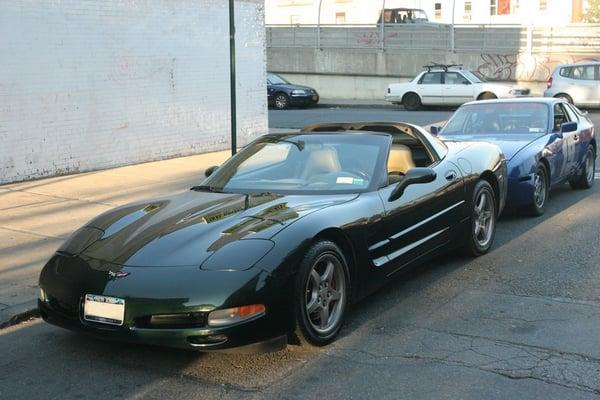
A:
(577, 83)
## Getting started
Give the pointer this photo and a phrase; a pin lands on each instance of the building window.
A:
(340, 18)
(438, 10)
(468, 11)
(515, 7)
(493, 7)
(543, 5)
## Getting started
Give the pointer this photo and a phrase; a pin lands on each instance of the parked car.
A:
(546, 141)
(282, 94)
(578, 84)
(404, 16)
(278, 240)
(448, 85)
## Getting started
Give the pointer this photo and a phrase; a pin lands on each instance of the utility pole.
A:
(232, 82)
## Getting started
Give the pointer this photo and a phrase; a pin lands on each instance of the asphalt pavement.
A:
(520, 322)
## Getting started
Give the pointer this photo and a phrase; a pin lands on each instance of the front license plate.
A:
(104, 309)
(315, 97)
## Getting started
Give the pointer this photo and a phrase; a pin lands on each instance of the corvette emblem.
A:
(117, 275)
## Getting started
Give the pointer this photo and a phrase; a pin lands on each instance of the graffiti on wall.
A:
(524, 67)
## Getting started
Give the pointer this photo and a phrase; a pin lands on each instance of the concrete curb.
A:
(18, 313)
(350, 104)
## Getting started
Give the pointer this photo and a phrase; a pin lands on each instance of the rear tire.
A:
(585, 180)
(541, 191)
(482, 229)
(411, 101)
(565, 96)
(321, 294)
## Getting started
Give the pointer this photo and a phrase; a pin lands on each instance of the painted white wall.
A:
(101, 83)
(367, 11)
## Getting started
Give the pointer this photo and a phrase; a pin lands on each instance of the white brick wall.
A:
(92, 84)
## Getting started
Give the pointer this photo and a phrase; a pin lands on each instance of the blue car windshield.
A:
(303, 164)
(498, 118)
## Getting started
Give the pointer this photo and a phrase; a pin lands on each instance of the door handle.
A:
(450, 175)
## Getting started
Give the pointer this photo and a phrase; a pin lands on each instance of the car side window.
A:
(454, 78)
(583, 72)
(431, 78)
(560, 116)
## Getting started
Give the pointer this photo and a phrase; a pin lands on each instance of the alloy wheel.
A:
(590, 168)
(325, 293)
(484, 219)
(539, 193)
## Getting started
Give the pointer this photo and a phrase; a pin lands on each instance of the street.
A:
(519, 322)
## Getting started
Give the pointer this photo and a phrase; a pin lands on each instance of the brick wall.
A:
(92, 84)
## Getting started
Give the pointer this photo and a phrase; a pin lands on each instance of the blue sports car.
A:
(546, 141)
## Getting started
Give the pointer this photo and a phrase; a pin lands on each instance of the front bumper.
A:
(520, 191)
(304, 100)
(166, 290)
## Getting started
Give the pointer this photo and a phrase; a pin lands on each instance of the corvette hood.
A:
(510, 144)
(185, 229)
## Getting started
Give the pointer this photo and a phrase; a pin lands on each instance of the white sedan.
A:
(448, 87)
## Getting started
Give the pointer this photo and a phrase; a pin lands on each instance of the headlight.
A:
(299, 92)
(42, 295)
(230, 316)
(238, 256)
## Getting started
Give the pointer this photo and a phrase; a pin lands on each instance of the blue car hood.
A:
(510, 143)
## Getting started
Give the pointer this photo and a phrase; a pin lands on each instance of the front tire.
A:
(541, 191)
(321, 294)
(585, 180)
(411, 101)
(281, 101)
(483, 220)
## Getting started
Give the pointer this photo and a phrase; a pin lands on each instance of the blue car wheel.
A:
(541, 190)
(585, 179)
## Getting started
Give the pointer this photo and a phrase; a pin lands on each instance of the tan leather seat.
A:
(321, 161)
(399, 162)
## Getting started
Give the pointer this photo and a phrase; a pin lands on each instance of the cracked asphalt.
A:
(521, 322)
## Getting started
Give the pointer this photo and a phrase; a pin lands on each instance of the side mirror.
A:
(210, 170)
(435, 130)
(413, 176)
(568, 127)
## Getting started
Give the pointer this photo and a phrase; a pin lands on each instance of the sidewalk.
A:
(37, 216)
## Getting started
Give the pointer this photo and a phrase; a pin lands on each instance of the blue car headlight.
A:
(299, 92)
(238, 256)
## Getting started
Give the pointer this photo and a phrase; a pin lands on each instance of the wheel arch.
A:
(548, 172)
(480, 95)
(337, 236)
(411, 92)
(491, 178)
(563, 95)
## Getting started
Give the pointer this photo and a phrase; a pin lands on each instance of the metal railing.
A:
(439, 37)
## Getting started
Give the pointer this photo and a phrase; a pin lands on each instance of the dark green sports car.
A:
(276, 243)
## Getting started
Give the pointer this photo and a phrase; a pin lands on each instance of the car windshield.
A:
(474, 76)
(498, 118)
(303, 164)
(275, 79)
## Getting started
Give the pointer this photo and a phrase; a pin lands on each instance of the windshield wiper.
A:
(205, 188)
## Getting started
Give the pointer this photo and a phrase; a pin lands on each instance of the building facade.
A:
(95, 84)
(521, 12)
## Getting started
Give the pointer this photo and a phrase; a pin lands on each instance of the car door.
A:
(456, 89)
(422, 220)
(563, 147)
(429, 88)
